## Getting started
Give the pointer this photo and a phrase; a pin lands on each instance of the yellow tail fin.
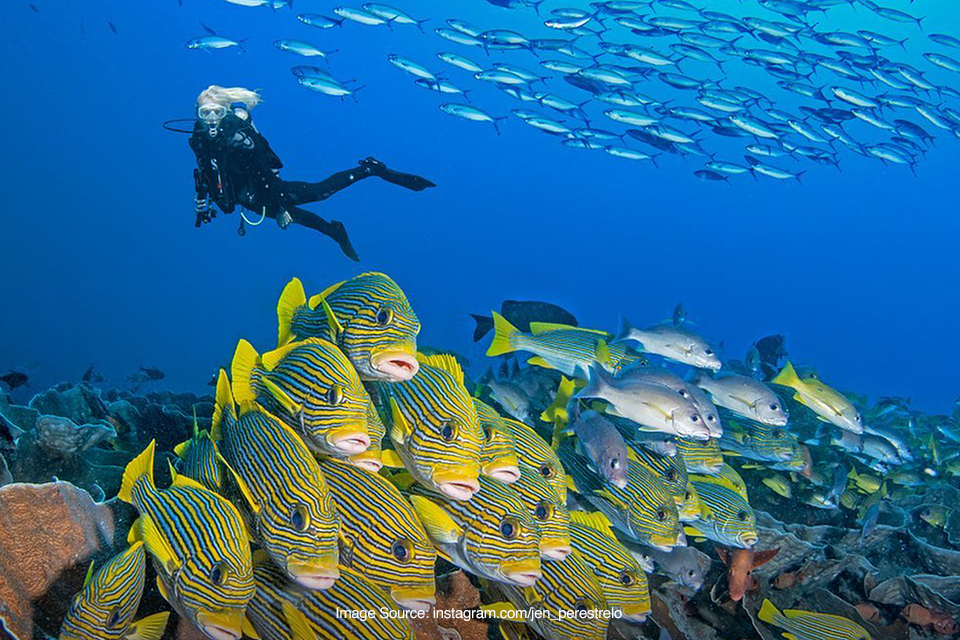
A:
(225, 407)
(768, 612)
(503, 332)
(139, 467)
(291, 299)
(245, 360)
(787, 377)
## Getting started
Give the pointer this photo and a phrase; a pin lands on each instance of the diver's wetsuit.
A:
(236, 166)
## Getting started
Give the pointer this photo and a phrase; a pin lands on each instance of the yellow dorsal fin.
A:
(298, 622)
(537, 328)
(445, 362)
(438, 523)
(558, 408)
(595, 520)
(180, 480)
(401, 428)
(291, 299)
(245, 361)
(146, 530)
(149, 628)
(225, 408)
(139, 467)
(271, 359)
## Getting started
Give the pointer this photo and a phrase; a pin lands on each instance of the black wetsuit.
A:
(236, 166)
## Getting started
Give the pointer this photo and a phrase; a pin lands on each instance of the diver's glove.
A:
(284, 219)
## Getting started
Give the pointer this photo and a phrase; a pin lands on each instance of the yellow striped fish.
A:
(729, 476)
(828, 404)
(726, 518)
(435, 428)
(549, 512)
(199, 547)
(493, 535)
(289, 508)
(533, 451)
(370, 460)
(809, 625)
(566, 587)
(699, 456)
(619, 574)
(281, 611)
(381, 536)
(571, 350)
(104, 610)
(197, 460)
(644, 510)
(312, 387)
(367, 316)
(670, 469)
(758, 441)
(498, 456)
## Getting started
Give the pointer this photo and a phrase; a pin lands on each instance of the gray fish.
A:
(672, 342)
(601, 443)
(687, 566)
(744, 396)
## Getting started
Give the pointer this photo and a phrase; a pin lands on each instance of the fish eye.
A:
(742, 515)
(543, 511)
(509, 528)
(299, 518)
(614, 463)
(114, 618)
(583, 605)
(627, 578)
(546, 471)
(694, 418)
(448, 432)
(691, 573)
(776, 433)
(218, 574)
(384, 316)
(683, 392)
(688, 496)
(774, 407)
(661, 514)
(487, 434)
(709, 352)
(402, 550)
(335, 394)
(670, 474)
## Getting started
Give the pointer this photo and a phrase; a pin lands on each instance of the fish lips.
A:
(415, 598)
(456, 483)
(349, 439)
(505, 473)
(367, 460)
(397, 364)
(524, 573)
(319, 574)
(221, 625)
(555, 549)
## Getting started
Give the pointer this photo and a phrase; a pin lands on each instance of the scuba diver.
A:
(236, 166)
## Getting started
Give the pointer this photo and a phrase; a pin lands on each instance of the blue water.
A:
(102, 264)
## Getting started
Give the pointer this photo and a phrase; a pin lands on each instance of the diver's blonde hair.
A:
(228, 95)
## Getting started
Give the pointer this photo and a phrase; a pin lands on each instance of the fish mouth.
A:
(555, 549)
(457, 483)
(366, 462)
(505, 473)
(349, 439)
(524, 573)
(748, 540)
(635, 613)
(415, 598)
(222, 625)
(319, 574)
(397, 364)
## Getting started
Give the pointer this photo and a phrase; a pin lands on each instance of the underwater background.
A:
(103, 266)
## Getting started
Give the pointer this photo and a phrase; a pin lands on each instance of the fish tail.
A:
(503, 335)
(787, 377)
(242, 370)
(770, 614)
(139, 467)
(484, 324)
(597, 380)
(292, 298)
(225, 408)
(623, 332)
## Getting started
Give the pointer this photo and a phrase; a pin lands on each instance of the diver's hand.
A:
(202, 209)
(284, 219)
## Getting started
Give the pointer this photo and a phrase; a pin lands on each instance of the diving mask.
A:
(211, 113)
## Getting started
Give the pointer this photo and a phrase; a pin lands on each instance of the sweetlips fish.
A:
(809, 625)
(368, 317)
(498, 455)
(549, 512)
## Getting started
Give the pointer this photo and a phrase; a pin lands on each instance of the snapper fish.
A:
(203, 567)
(665, 377)
(493, 535)
(619, 574)
(367, 316)
(673, 342)
(809, 625)
(498, 455)
(435, 428)
(381, 536)
(288, 506)
(105, 608)
(311, 386)
(829, 405)
(744, 396)
(281, 611)
(562, 347)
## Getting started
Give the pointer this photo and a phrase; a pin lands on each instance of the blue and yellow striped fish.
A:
(810, 625)
(493, 535)
(197, 460)
(566, 587)
(281, 611)
(312, 387)
(533, 451)
(572, 350)
(367, 316)
(618, 573)
(726, 517)
(104, 610)
(199, 547)
(699, 456)
(673, 472)
(757, 441)
(549, 512)
(644, 510)
(729, 476)
(498, 455)
(381, 536)
(288, 505)
(371, 459)
(435, 429)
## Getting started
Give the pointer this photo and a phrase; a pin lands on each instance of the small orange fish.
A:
(787, 580)
(929, 619)
(740, 565)
(868, 612)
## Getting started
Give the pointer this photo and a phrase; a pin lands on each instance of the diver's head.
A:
(215, 102)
